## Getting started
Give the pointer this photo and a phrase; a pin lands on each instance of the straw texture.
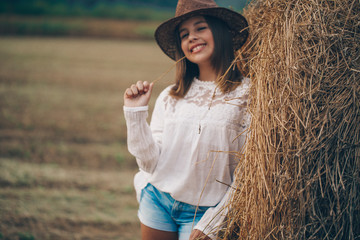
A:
(299, 175)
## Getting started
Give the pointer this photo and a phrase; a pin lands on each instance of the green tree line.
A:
(115, 9)
(87, 8)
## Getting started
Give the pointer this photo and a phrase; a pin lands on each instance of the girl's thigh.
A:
(155, 210)
(148, 233)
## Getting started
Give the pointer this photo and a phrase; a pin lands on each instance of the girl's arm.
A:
(198, 235)
(140, 138)
(213, 219)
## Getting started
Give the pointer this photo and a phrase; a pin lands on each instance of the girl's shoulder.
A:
(164, 96)
(164, 100)
(166, 91)
(246, 80)
(245, 83)
(242, 88)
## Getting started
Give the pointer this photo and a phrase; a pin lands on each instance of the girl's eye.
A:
(184, 36)
(201, 28)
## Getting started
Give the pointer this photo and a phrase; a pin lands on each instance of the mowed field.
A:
(65, 172)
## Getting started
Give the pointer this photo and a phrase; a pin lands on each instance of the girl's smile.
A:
(197, 42)
(197, 48)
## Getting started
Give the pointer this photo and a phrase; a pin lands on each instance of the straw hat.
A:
(165, 33)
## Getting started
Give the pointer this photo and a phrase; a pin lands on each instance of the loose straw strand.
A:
(167, 71)
(232, 65)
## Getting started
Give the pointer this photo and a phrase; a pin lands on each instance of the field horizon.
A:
(57, 26)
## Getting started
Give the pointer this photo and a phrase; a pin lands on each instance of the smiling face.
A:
(197, 42)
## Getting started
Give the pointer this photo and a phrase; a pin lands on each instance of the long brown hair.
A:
(221, 60)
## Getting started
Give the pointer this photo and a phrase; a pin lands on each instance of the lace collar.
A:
(199, 82)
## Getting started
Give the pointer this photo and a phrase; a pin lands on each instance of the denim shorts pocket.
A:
(143, 191)
(202, 209)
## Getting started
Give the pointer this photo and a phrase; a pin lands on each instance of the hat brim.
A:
(165, 33)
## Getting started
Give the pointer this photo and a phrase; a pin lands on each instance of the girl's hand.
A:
(138, 94)
(198, 235)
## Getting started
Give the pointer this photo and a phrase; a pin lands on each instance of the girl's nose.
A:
(192, 36)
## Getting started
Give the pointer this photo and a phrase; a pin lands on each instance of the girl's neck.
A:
(207, 73)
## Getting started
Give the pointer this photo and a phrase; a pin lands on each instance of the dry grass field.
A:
(65, 172)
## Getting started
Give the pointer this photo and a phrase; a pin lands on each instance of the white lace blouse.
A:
(190, 146)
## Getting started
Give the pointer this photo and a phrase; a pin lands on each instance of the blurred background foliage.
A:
(142, 10)
(118, 9)
(90, 18)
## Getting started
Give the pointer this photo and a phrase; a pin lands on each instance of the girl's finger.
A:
(134, 90)
(146, 86)
(151, 85)
(128, 92)
(140, 86)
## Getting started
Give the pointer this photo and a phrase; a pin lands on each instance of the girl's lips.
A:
(197, 48)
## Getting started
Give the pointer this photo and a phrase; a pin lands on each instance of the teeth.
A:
(197, 48)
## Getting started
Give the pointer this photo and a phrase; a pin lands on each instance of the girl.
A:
(187, 154)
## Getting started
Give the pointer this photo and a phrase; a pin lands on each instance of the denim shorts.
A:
(158, 210)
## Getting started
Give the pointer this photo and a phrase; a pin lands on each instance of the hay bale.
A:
(300, 174)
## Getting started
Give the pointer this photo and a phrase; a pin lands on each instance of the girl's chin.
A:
(198, 59)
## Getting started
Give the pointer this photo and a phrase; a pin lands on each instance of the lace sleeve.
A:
(144, 140)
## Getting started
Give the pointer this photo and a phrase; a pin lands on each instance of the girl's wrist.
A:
(136, 109)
